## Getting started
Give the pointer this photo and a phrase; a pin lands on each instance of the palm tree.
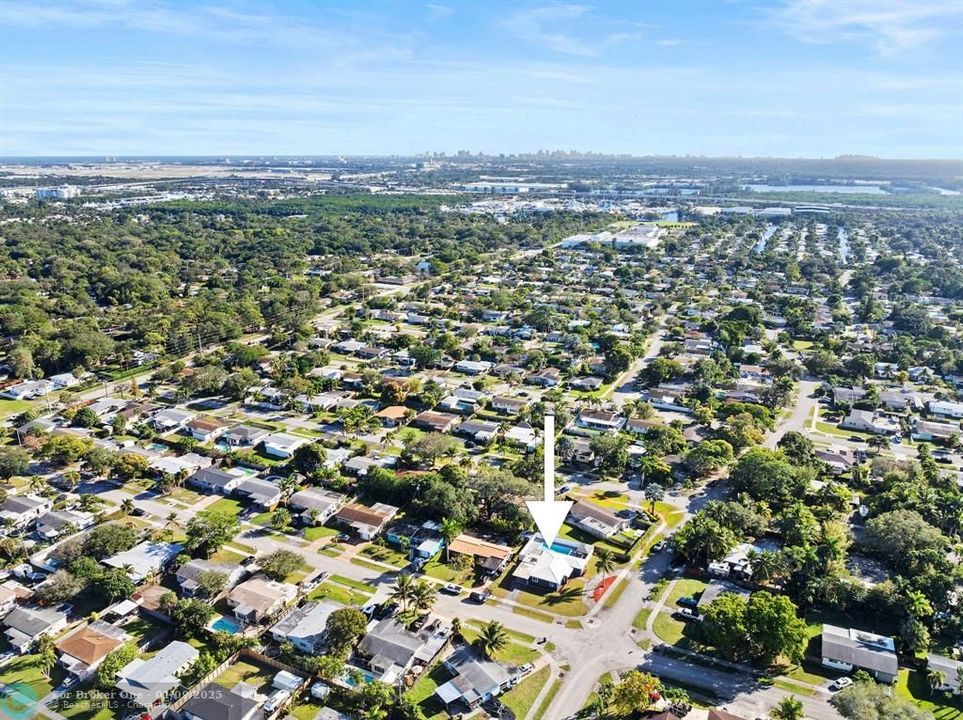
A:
(765, 565)
(90, 503)
(71, 479)
(936, 679)
(281, 519)
(450, 529)
(171, 522)
(493, 637)
(789, 708)
(36, 484)
(403, 591)
(604, 562)
(423, 596)
(288, 485)
(127, 506)
(653, 493)
(47, 661)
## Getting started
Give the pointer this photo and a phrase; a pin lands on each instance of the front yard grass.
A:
(912, 685)
(247, 671)
(521, 697)
(385, 554)
(228, 505)
(514, 652)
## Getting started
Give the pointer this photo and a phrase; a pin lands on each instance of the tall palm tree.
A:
(936, 679)
(36, 484)
(47, 661)
(789, 708)
(127, 506)
(604, 562)
(423, 596)
(653, 493)
(450, 529)
(493, 637)
(171, 522)
(403, 591)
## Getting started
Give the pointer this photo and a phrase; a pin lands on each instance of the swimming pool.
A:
(225, 624)
(348, 678)
(559, 548)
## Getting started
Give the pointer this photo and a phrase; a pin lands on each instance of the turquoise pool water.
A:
(560, 549)
(367, 677)
(225, 624)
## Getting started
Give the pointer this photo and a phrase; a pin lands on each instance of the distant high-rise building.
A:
(58, 193)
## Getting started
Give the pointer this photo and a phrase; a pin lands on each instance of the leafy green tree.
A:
(344, 627)
(211, 530)
(109, 539)
(280, 563)
(105, 676)
(13, 461)
(191, 616)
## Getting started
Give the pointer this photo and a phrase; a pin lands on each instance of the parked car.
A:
(478, 597)
(451, 589)
(686, 615)
(688, 602)
(660, 546)
(841, 683)
(526, 668)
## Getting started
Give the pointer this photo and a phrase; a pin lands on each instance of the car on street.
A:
(451, 589)
(478, 597)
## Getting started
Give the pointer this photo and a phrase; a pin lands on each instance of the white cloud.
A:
(891, 26)
(538, 26)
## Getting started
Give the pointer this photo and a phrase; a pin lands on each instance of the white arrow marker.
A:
(549, 514)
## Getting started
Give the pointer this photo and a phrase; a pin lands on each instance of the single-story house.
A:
(145, 558)
(368, 522)
(82, 650)
(282, 445)
(205, 429)
(868, 421)
(258, 599)
(546, 377)
(263, 493)
(21, 510)
(214, 702)
(508, 405)
(489, 557)
(316, 506)
(188, 574)
(522, 435)
(542, 567)
(951, 672)
(147, 682)
(435, 421)
(169, 419)
(24, 625)
(934, 431)
(389, 649)
(55, 523)
(215, 480)
(596, 521)
(476, 680)
(600, 420)
(244, 436)
(392, 416)
(305, 626)
(847, 649)
(482, 431)
(473, 367)
(946, 408)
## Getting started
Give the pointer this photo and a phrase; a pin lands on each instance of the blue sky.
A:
(715, 77)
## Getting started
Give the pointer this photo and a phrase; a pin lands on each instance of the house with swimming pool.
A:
(551, 567)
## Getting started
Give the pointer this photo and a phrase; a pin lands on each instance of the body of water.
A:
(767, 233)
(844, 244)
(843, 189)
(226, 624)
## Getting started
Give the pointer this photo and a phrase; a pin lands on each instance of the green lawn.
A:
(245, 670)
(682, 588)
(385, 554)
(226, 505)
(515, 651)
(9, 408)
(25, 670)
(912, 686)
(521, 697)
(668, 630)
(339, 594)
(547, 700)
(317, 531)
(423, 692)
(439, 570)
(641, 619)
(228, 557)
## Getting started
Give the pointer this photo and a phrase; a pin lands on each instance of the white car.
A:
(840, 683)
(526, 668)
